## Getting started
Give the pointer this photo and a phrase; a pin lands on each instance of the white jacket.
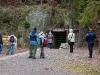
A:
(71, 35)
(42, 36)
(14, 41)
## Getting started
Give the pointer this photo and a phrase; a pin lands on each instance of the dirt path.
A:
(18, 50)
(56, 62)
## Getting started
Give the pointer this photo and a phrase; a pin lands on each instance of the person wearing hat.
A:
(42, 38)
(50, 40)
(71, 37)
(34, 41)
(89, 38)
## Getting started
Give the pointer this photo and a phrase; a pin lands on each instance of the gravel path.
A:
(19, 64)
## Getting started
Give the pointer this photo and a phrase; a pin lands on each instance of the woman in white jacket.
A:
(71, 37)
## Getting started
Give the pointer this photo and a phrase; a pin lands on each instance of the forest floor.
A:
(56, 62)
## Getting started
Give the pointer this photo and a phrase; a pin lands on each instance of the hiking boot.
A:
(12, 54)
(71, 52)
(89, 57)
(0, 52)
(42, 57)
(30, 57)
(7, 53)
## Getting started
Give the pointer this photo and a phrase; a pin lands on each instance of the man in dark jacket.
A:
(34, 41)
(89, 38)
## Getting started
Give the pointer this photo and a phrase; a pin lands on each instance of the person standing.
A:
(71, 37)
(11, 40)
(34, 41)
(46, 34)
(89, 38)
(1, 43)
(42, 38)
(50, 39)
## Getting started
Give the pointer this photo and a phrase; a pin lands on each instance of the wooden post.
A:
(66, 35)
(41, 2)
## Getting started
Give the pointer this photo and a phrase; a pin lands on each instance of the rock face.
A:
(39, 18)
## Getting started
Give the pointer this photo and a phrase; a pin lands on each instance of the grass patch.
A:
(80, 68)
(83, 68)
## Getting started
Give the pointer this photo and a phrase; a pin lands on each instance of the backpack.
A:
(12, 39)
(45, 41)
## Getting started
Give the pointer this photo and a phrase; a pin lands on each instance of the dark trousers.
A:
(71, 47)
(42, 52)
(90, 46)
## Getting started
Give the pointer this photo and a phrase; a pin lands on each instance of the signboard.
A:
(5, 40)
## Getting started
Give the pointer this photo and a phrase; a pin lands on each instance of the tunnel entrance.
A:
(59, 37)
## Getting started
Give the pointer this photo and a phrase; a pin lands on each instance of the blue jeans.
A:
(50, 45)
(11, 47)
(0, 48)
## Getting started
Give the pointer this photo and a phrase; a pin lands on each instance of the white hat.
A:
(50, 33)
(70, 30)
(41, 33)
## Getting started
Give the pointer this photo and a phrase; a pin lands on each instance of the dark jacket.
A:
(90, 37)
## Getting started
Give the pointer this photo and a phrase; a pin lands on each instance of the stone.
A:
(64, 45)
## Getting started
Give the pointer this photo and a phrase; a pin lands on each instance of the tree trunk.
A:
(99, 31)
(41, 2)
(99, 47)
(79, 40)
(99, 40)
